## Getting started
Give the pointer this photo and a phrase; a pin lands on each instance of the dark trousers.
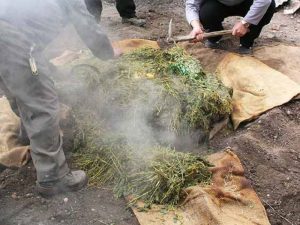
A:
(212, 14)
(126, 8)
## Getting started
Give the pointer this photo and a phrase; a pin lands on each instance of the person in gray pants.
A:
(26, 27)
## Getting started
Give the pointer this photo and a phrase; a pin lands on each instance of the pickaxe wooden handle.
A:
(205, 35)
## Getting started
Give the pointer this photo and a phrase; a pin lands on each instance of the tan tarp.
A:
(256, 86)
(284, 58)
(66, 57)
(12, 154)
(132, 44)
(230, 200)
(250, 77)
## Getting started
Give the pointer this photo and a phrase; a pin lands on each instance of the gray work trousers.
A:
(34, 99)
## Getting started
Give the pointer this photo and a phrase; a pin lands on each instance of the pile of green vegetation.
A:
(187, 98)
(155, 175)
(179, 97)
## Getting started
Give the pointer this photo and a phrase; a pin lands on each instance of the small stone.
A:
(288, 112)
(66, 200)
(276, 136)
(259, 121)
(93, 210)
(14, 195)
(252, 170)
(298, 21)
(268, 195)
(28, 195)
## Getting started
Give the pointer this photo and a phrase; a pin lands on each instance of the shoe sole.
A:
(132, 23)
(59, 189)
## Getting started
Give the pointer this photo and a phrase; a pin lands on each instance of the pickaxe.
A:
(191, 38)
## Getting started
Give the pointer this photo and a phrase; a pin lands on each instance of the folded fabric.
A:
(12, 153)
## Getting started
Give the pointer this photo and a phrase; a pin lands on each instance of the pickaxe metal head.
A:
(169, 39)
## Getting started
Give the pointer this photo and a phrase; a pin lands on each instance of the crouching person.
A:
(26, 27)
(210, 14)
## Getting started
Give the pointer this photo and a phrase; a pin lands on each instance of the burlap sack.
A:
(132, 44)
(229, 200)
(284, 58)
(12, 154)
(256, 87)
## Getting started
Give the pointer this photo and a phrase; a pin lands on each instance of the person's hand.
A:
(118, 52)
(239, 29)
(197, 31)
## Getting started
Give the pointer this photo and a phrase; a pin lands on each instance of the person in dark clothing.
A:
(26, 27)
(126, 9)
(210, 14)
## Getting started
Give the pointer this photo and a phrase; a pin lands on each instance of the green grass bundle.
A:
(154, 175)
(182, 96)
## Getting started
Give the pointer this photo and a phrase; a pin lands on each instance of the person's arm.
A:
(87, 28)
(257, 11)
(253, 17)
(95, 8)
(192, 9)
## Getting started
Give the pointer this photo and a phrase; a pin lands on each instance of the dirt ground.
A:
(269, 147)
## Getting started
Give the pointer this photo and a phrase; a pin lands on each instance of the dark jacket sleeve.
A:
(95, 8)
(88, 29)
